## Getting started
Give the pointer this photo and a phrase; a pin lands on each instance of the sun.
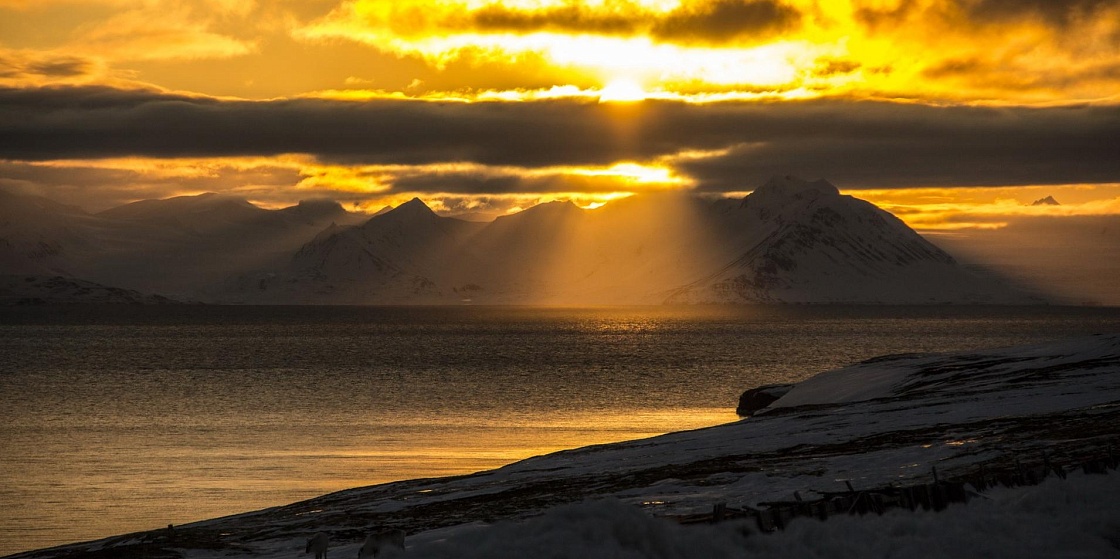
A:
(622, 90)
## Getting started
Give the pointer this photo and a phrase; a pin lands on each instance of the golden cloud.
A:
(163, 35)
(947, 209)
(284, 180)
(963, 50)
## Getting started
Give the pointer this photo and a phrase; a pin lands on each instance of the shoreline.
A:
(949, 411)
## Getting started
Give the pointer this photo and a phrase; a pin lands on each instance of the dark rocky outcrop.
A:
(757, 398)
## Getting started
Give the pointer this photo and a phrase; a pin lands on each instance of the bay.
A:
(120, 418)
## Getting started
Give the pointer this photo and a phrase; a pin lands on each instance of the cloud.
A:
(721, 21)
(1029, 51)
(148, 34)
(710, 21)
(98, 185)
(854, 143)
(30, 67)
(1060, 13)
(1056, 13)
(619, 18)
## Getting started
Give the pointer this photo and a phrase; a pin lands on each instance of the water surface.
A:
(116, 419)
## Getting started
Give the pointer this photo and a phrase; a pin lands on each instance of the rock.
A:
(760, 397)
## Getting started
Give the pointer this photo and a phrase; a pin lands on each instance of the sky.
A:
(954, 114)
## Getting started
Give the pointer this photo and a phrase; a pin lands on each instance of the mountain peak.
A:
(414, 210)
(1047, 201)
(415, 206)
(182, 205)
(316, 209)
(790, 186)
(549, 213)
(319, 203)
(555, 206)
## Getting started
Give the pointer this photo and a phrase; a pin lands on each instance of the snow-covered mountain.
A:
(893, 421)
(42, 237)
(803, 242)
(186, 247)
(396, 256)
(790, 241)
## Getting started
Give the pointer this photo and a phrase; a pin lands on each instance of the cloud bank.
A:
(855, 143)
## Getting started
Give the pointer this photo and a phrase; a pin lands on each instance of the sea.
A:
(116, 419)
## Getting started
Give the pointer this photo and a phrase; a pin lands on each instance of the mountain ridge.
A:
(789, 241)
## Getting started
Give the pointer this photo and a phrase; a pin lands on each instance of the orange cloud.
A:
(939, 49)
(945, 209)
(163, 35)
(284, 180)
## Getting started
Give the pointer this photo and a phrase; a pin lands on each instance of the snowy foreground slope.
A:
(885, 421)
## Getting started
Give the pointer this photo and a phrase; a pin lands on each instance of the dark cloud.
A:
(49, 66)
(571, 18)
(890, 17)
(935, 147)
(706, 21)
(1056, 12)
(1014, 75)
(460, 183)
(60, 67)
(835, 67)
(726, 20)
(96, 188)
(851, 142)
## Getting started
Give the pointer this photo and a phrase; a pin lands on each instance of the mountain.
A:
(204, 210)
(804, 242)
(56, 290)
(392, 257)
(1047, 201)
(42, 237)
(186, 247)
(790, 241)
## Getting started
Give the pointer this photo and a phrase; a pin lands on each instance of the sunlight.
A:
(622, 90)
(636, 173)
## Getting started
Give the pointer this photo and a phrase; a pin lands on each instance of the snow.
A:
(1073, 518)
(887, 377)
(887, 421)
